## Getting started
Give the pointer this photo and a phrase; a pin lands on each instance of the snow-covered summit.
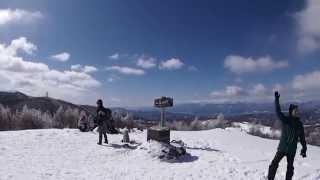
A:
(214, 154)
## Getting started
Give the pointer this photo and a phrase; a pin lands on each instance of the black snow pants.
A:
(104, 135)
(275, 163)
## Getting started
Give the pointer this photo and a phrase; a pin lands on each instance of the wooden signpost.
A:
(161, 133)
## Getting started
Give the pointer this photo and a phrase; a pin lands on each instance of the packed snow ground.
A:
(214, 154)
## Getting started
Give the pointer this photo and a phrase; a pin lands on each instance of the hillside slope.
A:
(214, 154)
(16, 101)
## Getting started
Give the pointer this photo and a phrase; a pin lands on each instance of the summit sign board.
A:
(163, 102)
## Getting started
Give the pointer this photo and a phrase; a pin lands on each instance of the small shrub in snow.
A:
(6, 119)
(313, 136)
(197, 125)
(122, 121)
(259, 130)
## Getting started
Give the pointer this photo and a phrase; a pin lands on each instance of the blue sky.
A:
(129, 52)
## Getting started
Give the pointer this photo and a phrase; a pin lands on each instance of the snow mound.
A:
(153, 148)
(264, 130)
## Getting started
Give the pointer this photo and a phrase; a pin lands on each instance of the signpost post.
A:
(161, 133)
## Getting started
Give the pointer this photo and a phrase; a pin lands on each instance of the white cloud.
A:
(76, 67)
(252, 93)
(9, 60)
(259, 90)
(126, 70)
(63, 57)
(303, 87)
(238, 64)
(85, 69)
(36, 78)
(309, 27)
(22, 44)
(8, 16)
(115, 99)
(229, 92)
(307, 82)
(146, 62)
(115, 56)
(308, 44)
(89, 69)
(171, 64)
(113, 78)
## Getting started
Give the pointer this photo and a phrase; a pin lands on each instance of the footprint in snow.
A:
(304, 164)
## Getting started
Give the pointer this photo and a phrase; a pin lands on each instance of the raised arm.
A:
(279, 113)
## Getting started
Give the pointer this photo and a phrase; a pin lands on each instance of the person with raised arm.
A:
(292, 132)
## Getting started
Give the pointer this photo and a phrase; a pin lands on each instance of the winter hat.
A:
(99, 101)
(292, 107)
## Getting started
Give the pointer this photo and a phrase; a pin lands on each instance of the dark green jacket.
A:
(292, 131)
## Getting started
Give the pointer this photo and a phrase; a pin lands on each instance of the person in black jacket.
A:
(292, 131)
(103, 116)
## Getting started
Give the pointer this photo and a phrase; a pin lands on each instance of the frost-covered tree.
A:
(66, 118)
(58, 118)
(6, 120)
(31, 119)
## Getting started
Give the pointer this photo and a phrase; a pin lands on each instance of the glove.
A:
(276, 95)
(303, 153)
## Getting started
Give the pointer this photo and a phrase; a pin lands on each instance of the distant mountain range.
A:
(310, 111)
(240, 108)
(258, 112)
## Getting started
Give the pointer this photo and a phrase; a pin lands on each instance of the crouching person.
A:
(292, 131)
(83, 124)
(103, 116)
